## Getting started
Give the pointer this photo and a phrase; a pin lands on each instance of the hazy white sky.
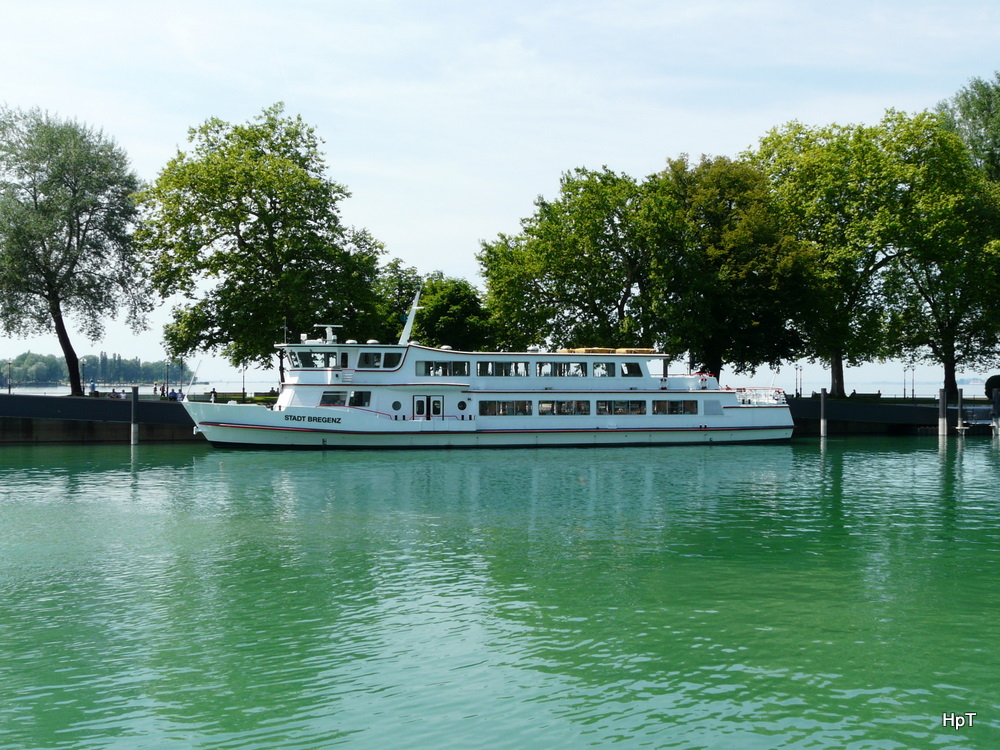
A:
(445, 119)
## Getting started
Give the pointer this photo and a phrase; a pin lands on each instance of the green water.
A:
(814, 595)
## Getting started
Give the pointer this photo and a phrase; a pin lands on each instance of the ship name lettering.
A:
(303, 418)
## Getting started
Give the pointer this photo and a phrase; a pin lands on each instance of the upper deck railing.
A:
(761, 396)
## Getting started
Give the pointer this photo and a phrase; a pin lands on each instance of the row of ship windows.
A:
(460, 368)
(523, 369)
(601, 407)
(544, 407)
(366, 360)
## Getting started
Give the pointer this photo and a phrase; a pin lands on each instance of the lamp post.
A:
(798, 381)
(910, 369)
(10, 365)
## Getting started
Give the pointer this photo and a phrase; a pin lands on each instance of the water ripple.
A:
(818, 595)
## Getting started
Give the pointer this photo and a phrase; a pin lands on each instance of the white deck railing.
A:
(764, 396)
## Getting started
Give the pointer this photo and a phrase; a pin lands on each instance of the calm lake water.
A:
(837, 594)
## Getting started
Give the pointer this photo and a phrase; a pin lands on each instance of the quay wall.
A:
(75, 419)
(870, 416)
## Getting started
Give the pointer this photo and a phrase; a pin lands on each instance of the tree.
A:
(395, 287)
(731, 281)
(452, 313)
(943, 288)
(839, 188)
(575, 275)
(250, 214)
(974, 113)
(66, 217)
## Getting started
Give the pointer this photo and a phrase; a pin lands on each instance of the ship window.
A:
(621, 407)
(604, 369)
(330, 359)
(306, 359)
(370, 360)
(442, 369)
(343, 360)
(631, 370)
(293, 358)
(391, 359)
(360, 398)
(502, 369)
(504, 408)
(562, 369)
(564, 408)
(713, 408)
(333, 398)
(675, 406)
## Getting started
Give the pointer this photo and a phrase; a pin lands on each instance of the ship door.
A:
(428, 407)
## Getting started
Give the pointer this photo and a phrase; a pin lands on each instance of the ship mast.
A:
(404, 337)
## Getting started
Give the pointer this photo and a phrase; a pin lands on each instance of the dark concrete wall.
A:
(29, 430)
(69, 419)
(859, 416)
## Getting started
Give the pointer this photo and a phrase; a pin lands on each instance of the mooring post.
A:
(135, 415)
(996, 412)
(942, 413)
(822, 412)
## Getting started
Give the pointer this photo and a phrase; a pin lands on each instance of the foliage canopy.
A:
(66, 218)
(246, 228)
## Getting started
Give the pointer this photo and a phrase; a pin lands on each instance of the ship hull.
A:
(340, 429)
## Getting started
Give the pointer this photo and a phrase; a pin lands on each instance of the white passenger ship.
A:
(372, 395)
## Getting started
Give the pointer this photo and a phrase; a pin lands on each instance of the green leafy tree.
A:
(66, 218)
(839, 188)
(730, 279)
(943, 289)
(974, 113)
(576, 274)
(30, 369)
(246, 228)
(395, 287)
(452, 314)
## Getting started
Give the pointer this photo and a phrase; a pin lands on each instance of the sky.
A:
(446, 119)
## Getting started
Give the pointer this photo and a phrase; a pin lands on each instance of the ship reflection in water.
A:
(815, 594)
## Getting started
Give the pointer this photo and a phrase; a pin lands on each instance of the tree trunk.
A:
(837, 387)
(713, 366)
(72, 361)
(707, 362)
(950, 381)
